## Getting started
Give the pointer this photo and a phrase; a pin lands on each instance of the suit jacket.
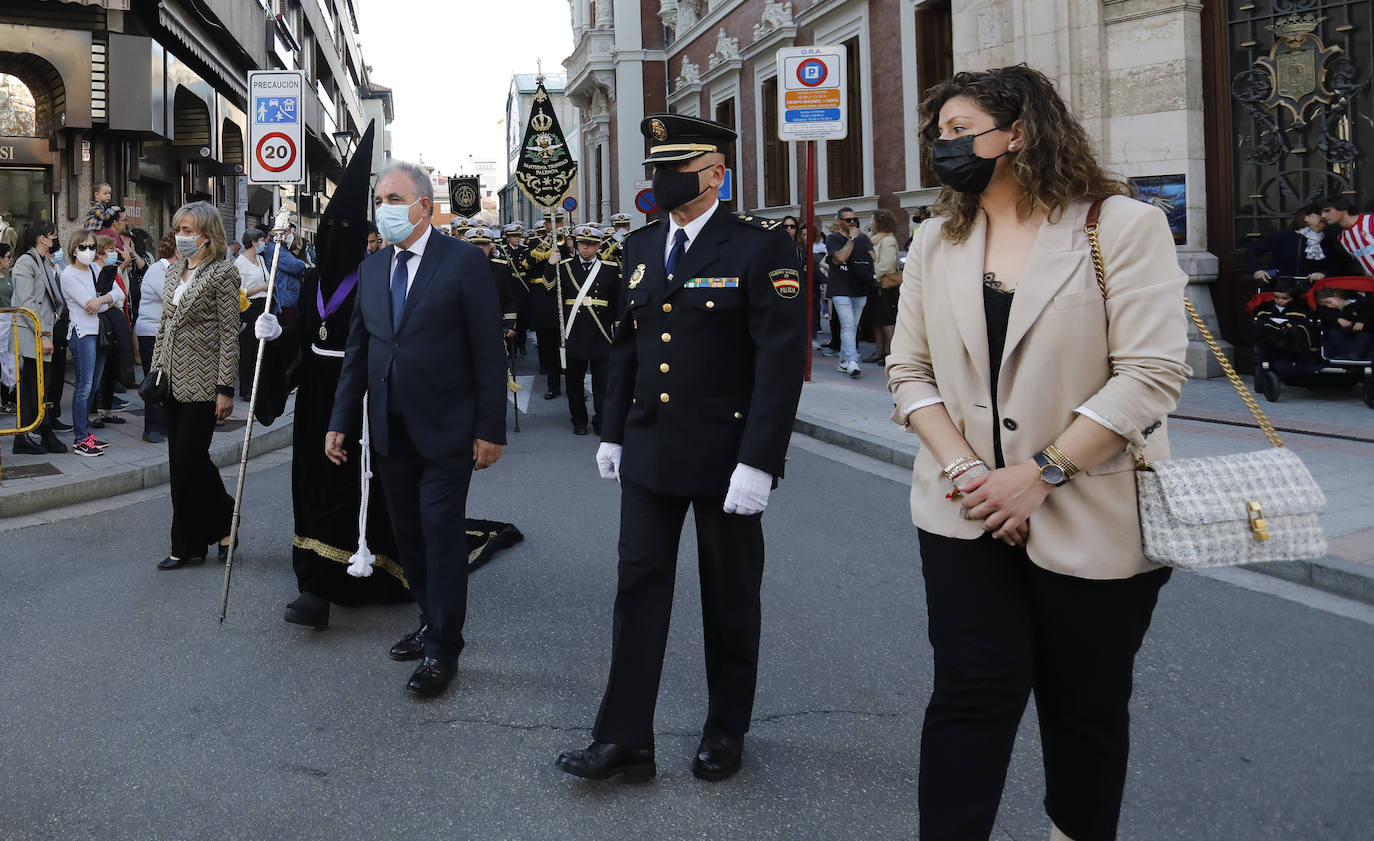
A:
(35, 289)
(198, 340)
(1060, 337)
(701, 376)
(444, 369)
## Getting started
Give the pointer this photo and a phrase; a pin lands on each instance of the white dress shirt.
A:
(251, 274)
(416, 248)
(692, 228)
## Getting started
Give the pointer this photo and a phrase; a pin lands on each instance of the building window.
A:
(725, 115)
(777, 175)
(844, 159)
(934, 59)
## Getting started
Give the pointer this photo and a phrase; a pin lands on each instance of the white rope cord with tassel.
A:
(360, 562)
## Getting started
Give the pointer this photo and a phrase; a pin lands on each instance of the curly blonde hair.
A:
(1055, 166)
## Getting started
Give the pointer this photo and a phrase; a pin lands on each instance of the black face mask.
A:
(673, 189)
(957, 166)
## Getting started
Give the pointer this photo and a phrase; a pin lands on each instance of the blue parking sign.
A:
(276, 109)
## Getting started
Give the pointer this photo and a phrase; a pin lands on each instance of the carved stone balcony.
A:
(591, 66)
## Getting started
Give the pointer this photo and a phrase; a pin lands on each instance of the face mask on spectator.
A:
(186, 246)
(85, 254)
(58, 256)
(262, 247)
(112, 259)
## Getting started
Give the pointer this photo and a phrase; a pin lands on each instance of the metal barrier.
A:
(19, 370)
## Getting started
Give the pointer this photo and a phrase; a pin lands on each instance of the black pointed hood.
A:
(342, 240)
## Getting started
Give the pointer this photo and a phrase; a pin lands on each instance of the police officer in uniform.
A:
(705, 374)
(591, 293)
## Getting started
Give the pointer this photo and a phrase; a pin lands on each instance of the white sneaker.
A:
(843, 367)
(854, 370)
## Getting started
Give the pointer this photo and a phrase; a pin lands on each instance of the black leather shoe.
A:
(96, 423)
(114, 419)
(58, 426)
(718, 758)
(411, 646)
(432, 677)
(309, 609)
(603, 760)
(552, 395)
(51, 444)
(26, 446)
(223, 548)
(170, 562)
(580, 429)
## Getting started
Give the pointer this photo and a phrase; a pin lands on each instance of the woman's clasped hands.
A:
(1004, 500)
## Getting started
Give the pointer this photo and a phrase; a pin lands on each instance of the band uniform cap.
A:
(514, 229)
(587, 233)
(676, 137)
(620, 219)
(478, 236)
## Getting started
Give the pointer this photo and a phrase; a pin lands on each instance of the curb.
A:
(1336, 576)
(136, 478)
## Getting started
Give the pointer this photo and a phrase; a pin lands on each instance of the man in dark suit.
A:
(424, 344)
(705, 374)
(589, 289)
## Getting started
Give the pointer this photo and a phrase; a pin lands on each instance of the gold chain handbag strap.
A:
(1100, 268)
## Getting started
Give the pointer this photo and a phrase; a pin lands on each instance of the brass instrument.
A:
(19, 364)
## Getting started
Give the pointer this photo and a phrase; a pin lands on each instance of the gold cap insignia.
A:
(659, 131)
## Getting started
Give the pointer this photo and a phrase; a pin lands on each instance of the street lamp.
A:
(344, 140)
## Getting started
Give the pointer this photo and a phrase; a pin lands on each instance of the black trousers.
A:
(577, 390)
(549, 361)
(248, 346)
(1002, 628)
(428, 499)
(152, 415)
(730, 565)
(202, 510)
(28, 393)
(55, 375)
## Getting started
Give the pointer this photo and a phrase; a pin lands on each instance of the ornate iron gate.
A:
(1302, 116)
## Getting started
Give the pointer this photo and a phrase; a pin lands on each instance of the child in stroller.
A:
(1347, 322)
(1285, 334)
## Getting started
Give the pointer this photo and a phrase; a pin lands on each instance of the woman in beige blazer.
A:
(198, 346)
(1027, 391)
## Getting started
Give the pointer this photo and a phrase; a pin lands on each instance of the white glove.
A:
(266, 327)
(608, 460)
(749, 488)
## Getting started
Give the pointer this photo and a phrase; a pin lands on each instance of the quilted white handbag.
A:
(1224, 510)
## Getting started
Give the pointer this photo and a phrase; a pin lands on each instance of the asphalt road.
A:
(128, 712)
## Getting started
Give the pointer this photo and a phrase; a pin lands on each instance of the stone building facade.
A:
(1155, 82)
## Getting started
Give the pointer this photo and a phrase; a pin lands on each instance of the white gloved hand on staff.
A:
(266, 327)
(608, 460)
(749, 488)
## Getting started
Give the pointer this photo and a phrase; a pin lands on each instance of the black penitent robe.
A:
(326, 497)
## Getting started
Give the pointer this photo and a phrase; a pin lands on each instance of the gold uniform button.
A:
(663, 367)
(663, 398)
(667, 337)
(710, 305)
(738, 416)
(667, 307)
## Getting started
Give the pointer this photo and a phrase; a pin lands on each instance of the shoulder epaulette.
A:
(646, 226)
(606, 262)
(501, 261)
(757, 221)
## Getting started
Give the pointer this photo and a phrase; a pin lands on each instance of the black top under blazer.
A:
(700, 377)
(444, 370)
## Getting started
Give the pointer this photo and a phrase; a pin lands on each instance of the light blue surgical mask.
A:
(393, 221)
(112, 259)
(262, 246)
(59, 256)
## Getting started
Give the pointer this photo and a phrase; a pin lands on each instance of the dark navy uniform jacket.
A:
(706, 367)
(590, 336)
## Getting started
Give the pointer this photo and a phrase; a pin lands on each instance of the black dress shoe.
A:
(552, 395)
(579, 429)
(223, 548)
(51, 444)
(718, 758)
(26, 446)
(170, 562)
(432, 677)
(96, 423)
(58, 426)
(114, 419)
(309, 609)
(603, 760)
(411, 646)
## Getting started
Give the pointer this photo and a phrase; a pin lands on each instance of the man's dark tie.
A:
(398, 289)
(675, 256)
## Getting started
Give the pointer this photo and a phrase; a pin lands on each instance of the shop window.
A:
(844, 159)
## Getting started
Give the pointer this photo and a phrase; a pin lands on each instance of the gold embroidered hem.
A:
(331, 553)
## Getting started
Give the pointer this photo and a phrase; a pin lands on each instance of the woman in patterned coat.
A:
(197, 345)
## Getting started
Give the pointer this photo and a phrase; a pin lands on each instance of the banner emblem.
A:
(546, 170)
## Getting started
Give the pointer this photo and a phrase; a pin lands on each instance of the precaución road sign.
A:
(813, 96)
(275, 127)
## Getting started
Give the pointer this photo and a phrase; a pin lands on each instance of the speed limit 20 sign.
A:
(275, 127)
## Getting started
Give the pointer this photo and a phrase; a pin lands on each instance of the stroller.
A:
(1279, 357)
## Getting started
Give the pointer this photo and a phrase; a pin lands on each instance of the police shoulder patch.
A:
(786, 282)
